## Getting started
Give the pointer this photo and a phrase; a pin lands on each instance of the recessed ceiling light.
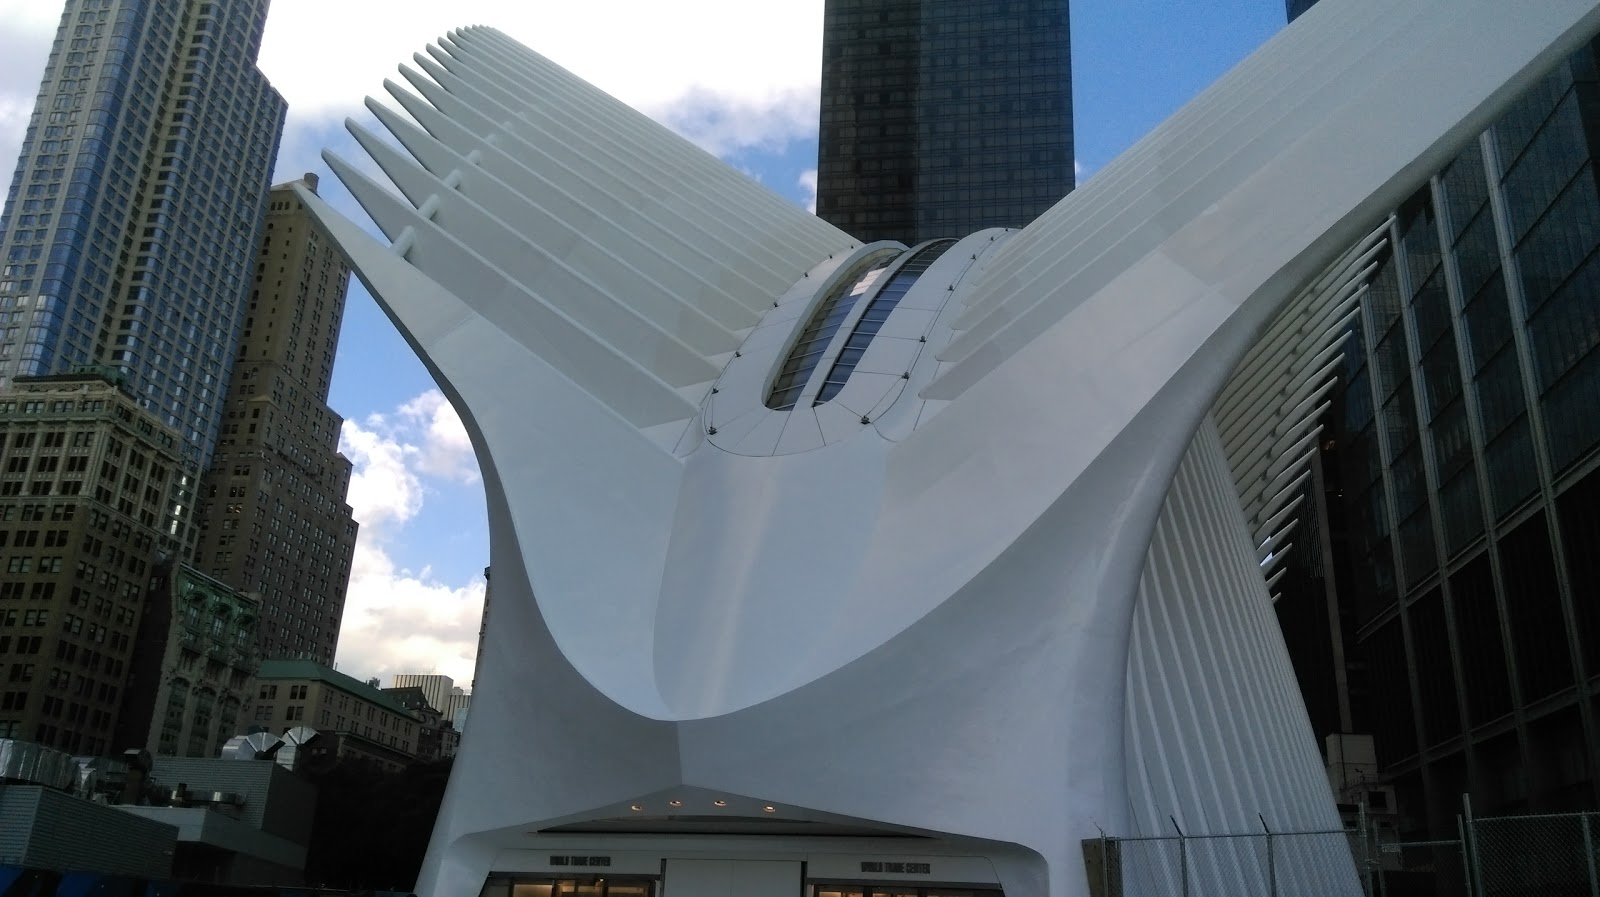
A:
(769, 809)
(719, 803)
(636, 807)
(674, 803)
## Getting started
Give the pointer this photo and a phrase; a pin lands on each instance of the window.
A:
(819, 331)
(877, 311)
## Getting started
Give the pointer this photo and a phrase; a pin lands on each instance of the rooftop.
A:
(280, 669)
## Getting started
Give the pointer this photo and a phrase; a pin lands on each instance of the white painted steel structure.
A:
(1005, 590)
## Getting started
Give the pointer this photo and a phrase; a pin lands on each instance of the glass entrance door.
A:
(571, 886)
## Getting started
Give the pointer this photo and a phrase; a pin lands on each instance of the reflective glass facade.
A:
(1464, 458)
(942, 117)
(132, 219)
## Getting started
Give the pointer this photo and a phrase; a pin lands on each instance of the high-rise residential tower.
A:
(940, 117)
(273, 515)
(131, 222)
(125, 250)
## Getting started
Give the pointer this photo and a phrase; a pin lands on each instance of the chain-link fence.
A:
(1269, 864)
(1548, 856)
(1511, 856)
(1414, 868)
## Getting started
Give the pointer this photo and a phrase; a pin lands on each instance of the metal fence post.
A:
(1466, 866)
(1183, 863)
(1105, 866)
(1183, 856)
(1272, 867)
(1364, 835)
(1588, 855)
(1475, 881)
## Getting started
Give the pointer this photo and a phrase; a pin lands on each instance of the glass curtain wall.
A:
(1467, 440)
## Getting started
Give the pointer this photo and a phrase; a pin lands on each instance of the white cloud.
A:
(728, 74)
(446, 452)
(731, 72)
(393, 452)
(808, 180)
(720, 122)
(398, 619)
(647, 53)
(403, 621)
(384, 490)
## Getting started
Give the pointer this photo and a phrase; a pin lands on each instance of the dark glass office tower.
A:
(1471, 432)
(1467, 442)
(941, 117)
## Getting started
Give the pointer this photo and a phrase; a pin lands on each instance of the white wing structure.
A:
(827, 565)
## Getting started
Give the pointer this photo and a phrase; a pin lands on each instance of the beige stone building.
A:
(437, 736)
(85, 476)
(273, 515)
(371, 725)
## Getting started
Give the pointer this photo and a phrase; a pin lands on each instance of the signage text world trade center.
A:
(827, 567)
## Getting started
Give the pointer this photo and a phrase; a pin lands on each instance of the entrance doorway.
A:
(574, 886)
(731, 878)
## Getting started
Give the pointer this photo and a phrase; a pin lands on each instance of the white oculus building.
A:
(828, 568)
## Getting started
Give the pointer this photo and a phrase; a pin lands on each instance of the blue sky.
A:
(739, 78)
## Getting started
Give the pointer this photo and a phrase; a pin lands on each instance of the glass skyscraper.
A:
(942, 117)
(1464, 480)
(133, 218)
